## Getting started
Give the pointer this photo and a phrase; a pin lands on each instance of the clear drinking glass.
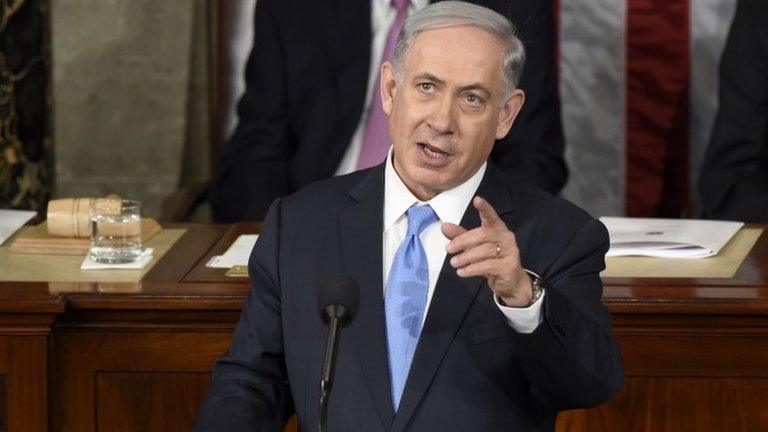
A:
(115, 231)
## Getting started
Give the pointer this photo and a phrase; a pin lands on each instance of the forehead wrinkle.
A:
(427, 49)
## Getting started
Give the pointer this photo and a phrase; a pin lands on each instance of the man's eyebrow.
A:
(428, 77)
(472, 86)
(476, 86)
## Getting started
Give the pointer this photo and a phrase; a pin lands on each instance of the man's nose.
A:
(442, 117)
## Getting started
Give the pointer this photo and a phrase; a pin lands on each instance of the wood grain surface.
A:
(137, 356)
(36, 240)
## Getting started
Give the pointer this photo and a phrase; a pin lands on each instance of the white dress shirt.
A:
(382, 16)
(449, 207)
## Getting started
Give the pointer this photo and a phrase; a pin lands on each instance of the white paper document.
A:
(237, 254)
(11, 221)
(668, 238)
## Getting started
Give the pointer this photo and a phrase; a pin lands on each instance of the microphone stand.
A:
(331, 346)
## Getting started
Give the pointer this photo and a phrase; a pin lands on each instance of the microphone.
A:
(337, 301)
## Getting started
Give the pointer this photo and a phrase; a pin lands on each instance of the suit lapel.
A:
(452, 298)
(361, 250)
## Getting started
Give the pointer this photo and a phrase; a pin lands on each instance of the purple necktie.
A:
(376, 137)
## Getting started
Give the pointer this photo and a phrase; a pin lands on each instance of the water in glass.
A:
(116, 232)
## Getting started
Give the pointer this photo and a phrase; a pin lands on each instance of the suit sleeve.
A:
(572, 360)
(253, 165)
(734, 177)
(533, 149)
(250, 389)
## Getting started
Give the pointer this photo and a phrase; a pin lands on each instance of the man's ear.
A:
(388, 86)
(509, 112)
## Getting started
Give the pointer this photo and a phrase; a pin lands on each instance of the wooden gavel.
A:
(71, 217)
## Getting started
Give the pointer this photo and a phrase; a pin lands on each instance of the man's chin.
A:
(431, 186)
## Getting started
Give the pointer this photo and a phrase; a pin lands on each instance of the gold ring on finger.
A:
(498, 250)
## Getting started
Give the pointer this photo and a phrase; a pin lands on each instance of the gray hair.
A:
(458, 13)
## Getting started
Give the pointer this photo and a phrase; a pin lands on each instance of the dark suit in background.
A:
(471, 370)
(306, 82)
(734, 177)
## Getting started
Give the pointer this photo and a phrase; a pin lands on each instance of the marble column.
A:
(122, 82)
(25, 143)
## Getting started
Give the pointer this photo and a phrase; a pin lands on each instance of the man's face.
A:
(447, 112)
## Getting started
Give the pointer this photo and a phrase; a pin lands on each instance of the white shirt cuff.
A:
(523, 320)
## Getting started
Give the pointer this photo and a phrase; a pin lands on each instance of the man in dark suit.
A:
(479, 295)
(734, 177)
(307, 81)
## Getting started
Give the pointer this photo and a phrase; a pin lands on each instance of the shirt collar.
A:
(449, 205)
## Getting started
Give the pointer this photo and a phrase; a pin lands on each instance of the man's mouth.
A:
(433, 152)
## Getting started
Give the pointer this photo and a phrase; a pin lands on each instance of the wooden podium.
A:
(136, 356)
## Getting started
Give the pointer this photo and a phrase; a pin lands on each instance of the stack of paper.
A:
(668, 238)
(12, 220)
(237, 254)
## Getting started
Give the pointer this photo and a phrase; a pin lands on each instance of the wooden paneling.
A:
(112, 357)
(697, 373)
(23, 362)
(648, 404)
(3, 409)
(681, 354)
(142, 401)
(91, 367)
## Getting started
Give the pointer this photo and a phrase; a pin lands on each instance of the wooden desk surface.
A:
(181, 280)
(201, 273)
(162, 287)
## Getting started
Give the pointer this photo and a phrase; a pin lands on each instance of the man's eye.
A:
(426, 87)
(473, 99)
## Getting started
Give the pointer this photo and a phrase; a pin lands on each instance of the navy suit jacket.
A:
(306, 81)
(471, 370)
(734, 177)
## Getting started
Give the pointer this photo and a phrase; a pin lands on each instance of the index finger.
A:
(451, 231)
(488, 216)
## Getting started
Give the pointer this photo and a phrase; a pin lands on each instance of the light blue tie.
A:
(406, 299)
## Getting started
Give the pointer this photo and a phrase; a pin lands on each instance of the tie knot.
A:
(420, 217)
(400, 4)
